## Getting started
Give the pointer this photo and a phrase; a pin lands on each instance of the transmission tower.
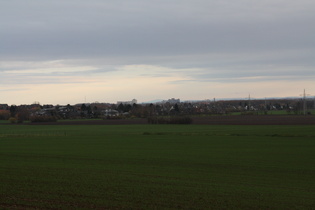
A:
(248, 102)
(304, 102)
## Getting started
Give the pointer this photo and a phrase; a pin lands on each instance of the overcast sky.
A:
(72, 51)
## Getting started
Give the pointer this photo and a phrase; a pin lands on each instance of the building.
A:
(171, 101)
(133, 101)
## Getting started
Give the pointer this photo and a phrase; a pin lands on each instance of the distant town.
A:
(132, 109)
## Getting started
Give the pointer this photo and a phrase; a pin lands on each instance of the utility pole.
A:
(248, 102)
(304, 102)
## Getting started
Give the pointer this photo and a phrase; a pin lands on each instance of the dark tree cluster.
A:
(156, 113)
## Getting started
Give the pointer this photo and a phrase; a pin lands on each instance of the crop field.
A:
(157, 167)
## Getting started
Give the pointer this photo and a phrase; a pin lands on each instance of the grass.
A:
(157, 167)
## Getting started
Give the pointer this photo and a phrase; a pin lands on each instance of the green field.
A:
(157, 167)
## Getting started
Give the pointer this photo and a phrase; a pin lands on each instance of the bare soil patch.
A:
(209, 120)
(95, 122)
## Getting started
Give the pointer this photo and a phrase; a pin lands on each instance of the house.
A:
(110, 113)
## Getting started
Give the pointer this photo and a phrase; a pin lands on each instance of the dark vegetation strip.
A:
(205, 120)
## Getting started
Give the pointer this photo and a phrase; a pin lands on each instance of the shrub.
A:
(180, 120)
(4, 114)
(35, 119)
(113, 117)
(23, 115)
(12, 120)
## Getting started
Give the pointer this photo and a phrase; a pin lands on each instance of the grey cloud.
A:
(240, 38)
(240, 79)
(100, 28)
(36, 79)
(267, 73)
